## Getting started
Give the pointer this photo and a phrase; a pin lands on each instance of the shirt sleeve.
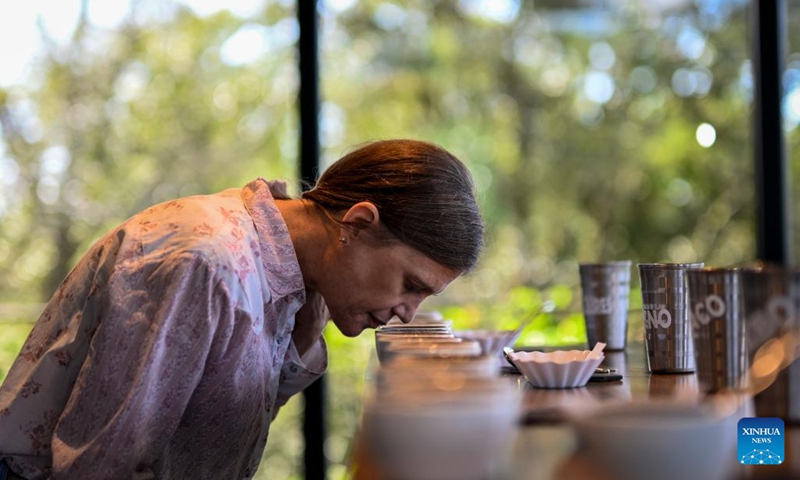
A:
(298, 373)
(143, 365)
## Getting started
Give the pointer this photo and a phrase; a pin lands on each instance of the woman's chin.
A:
(350, 329)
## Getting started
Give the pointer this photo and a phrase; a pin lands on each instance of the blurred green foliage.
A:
(580, 126)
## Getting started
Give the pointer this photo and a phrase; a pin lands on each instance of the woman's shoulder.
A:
(217, 227)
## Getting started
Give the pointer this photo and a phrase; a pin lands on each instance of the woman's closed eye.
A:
(417, 288)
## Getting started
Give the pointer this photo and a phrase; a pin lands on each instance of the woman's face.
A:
(367, 283)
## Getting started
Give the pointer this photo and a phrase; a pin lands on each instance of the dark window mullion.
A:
(773, 214)
(314, 429)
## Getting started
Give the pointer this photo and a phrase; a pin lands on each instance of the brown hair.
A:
(424, 194)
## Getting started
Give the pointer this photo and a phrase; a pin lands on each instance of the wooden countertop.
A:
(546, 448)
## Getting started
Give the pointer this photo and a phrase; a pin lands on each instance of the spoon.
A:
(597, 351)
(547, 306)
(508, 352)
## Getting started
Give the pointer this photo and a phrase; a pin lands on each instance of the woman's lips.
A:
(376, 322)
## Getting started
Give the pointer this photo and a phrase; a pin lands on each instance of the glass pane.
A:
(135, 103)
(595, 130)
(791, 114)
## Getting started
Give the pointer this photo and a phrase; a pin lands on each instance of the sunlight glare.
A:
(706, 135)
(17, 20)
(501, 11)
(240, 8)
(598, 86)
(793, 104)
(108, 15)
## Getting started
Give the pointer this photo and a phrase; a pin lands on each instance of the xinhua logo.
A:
(761, 441)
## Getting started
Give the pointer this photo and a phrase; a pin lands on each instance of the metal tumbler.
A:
(667, 330)
(715, 310)
(771, 308)
(606, 288)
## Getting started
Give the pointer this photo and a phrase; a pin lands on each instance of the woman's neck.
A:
(312, 233)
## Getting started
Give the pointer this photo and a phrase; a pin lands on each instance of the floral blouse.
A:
(168, 349)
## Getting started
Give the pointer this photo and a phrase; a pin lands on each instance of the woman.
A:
(169, 348)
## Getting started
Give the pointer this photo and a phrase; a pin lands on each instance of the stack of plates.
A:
(390, 341)
(422, 318)
(411, 329)
(430, 335)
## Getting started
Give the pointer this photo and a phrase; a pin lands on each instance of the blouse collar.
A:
(277, 251)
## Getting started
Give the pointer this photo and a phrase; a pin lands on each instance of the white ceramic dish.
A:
(558, 369)
(431, 386)
(444, 433)
(457, 368)
(492, 341)
(385, 352)
(383, 340)
(662, 439)
(434, 349)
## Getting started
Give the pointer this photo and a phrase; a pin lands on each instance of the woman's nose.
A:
(405, 312)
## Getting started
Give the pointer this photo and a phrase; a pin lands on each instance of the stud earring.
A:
(343, 240)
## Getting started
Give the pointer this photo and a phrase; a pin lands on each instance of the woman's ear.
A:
(360, 216)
